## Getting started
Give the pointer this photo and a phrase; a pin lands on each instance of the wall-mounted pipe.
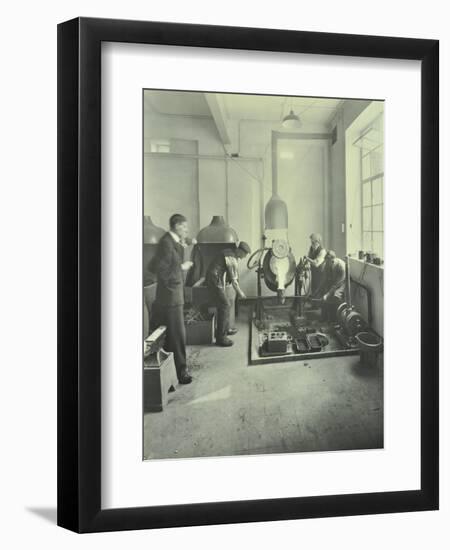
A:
(227, 195)
(369, 299)
(203, 157)
(347, 281)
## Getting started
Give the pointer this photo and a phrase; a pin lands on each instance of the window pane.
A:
(366, 167)
(367, 219)
(377, 191)
(377, 218)
(367, 241)
(378, 244)
(377, 161)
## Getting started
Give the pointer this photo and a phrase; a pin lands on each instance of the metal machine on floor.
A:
(291, 327)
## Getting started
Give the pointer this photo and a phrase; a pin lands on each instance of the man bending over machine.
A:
(332, 287)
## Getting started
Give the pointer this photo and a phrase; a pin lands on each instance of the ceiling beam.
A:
(218, 113)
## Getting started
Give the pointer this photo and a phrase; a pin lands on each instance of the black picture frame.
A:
(79, 270)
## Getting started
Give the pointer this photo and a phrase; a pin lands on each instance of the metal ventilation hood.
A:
(218, 231)
(152, 233)
(276, 213)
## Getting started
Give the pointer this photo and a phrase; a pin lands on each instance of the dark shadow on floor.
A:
(48, 514)
(364, 371)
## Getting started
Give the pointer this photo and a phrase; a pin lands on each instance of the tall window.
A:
(371, 146)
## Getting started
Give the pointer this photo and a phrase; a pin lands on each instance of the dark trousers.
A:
(172, 317)
(329, 309)
(329, 306)
(316, 278)
(222, 304)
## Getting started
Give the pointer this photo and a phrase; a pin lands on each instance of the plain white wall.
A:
(348, 111)
(28, 289)
(303, 184)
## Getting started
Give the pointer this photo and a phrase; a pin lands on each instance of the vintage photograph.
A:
(263, 274)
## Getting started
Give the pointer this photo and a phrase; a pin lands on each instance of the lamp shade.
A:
(218, 231)
(276, 213)
(291, 121)
(152, 233)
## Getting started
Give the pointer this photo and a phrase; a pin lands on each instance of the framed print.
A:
(248, 275)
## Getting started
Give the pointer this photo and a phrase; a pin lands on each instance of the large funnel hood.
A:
(218, 231)
(276, 213)
(152, 233)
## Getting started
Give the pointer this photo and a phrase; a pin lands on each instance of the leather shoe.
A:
(232, 331)
(225, 343)
(185, 378)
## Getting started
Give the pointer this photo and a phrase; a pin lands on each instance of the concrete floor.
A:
(234, 409)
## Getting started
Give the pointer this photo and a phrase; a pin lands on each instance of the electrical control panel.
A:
(277, 342)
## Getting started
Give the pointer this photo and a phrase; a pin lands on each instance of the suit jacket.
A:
(170, 285)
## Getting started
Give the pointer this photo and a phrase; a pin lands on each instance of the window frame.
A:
(369, 181)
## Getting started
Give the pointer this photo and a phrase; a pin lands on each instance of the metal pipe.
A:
(369, 299)
(347, 281)
(202, 157)
(274, 164)
(227, 195)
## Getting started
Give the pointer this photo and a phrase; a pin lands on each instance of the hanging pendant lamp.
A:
(291, 121)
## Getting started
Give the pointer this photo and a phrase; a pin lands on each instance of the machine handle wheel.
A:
(259, 254)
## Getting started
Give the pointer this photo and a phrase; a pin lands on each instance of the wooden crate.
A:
(201, 332)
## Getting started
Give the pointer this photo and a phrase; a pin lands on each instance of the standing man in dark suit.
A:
(168, 306)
